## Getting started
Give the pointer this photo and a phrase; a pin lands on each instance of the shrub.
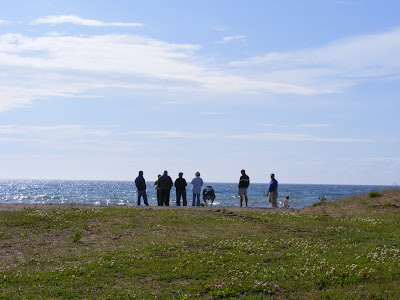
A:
(76, 236)
(374, 194)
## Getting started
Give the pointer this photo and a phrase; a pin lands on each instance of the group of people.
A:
(164, 184)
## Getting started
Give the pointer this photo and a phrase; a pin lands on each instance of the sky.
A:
(98, 90)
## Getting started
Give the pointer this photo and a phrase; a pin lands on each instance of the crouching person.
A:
(208, 194)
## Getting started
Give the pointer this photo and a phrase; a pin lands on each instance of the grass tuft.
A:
(374, 194)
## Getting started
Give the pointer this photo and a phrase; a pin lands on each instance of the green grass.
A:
(374, 194)
(127, 253)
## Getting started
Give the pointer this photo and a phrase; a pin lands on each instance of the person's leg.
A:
(139, 196)
(167, 197)
(178, 198)
(246, 200)
(274, 199)
(184, 198)
(241, 200)
(162, 196)
(144, 195)
(198, 200)
(194, 200)
(205, 200)
(159, 198)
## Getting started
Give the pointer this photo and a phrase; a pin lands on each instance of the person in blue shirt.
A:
(272, 193)
(197, 183)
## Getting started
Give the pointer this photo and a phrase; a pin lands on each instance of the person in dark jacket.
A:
(159, 203)
(208, 194)
(180, 185)
(141, 188)
(244, 183)
(165, 184)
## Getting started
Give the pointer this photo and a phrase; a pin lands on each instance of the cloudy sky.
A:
(306, 89)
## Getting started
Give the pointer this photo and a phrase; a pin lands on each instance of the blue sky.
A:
(308, 90)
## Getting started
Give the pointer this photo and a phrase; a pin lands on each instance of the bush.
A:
(76, 236)
(374, 194)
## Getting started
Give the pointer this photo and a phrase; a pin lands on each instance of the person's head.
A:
(140, 173)
(272, 176)
(159, 175)
(287, 197)
(243, 172)
(197, 173)
(180, 174)
(165, 172)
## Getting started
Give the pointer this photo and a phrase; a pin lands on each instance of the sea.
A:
(124, 193)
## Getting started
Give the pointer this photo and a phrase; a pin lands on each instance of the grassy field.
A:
(344, 250)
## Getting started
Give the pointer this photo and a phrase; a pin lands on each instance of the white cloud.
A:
(58, 66)
(315, 125)
(173, 102)
(54, 20)
(212, 113)
(335, 66)
(270, 125)
(68, 131)
(289, 137)
(228, 39)
(58, 131)
(172, 134)
(66, 66)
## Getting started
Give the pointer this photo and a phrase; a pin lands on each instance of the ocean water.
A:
(125, 193)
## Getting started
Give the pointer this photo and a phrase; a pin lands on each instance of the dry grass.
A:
(389, 202)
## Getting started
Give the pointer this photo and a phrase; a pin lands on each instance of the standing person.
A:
(165, 184)
(272, 193)
(158, 190)
(141, 188)
(244, 182)
(197, 183)
(180, 185)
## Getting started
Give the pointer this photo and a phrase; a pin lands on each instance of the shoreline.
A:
(21, 206)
